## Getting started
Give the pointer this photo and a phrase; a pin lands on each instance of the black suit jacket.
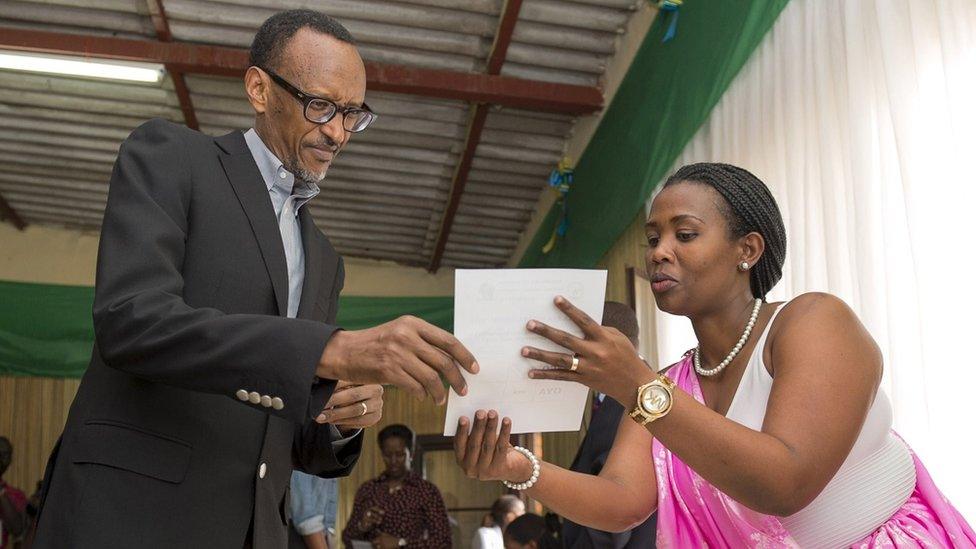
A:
(590, 459)
(190, 302)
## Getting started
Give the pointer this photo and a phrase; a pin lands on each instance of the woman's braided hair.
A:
(749, 207)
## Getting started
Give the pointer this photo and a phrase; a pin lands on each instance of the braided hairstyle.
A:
(748, 207)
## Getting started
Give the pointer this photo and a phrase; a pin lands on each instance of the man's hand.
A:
(353, 406)
(406, 352)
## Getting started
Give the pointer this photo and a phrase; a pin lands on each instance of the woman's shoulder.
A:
(813, 307)
(815, 319)
(370, 484)
(426, 484)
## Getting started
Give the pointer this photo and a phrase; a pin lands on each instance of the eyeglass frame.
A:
(306, 99)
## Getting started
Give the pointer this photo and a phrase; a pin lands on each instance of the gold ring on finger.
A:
(576, 362)
(365, 409)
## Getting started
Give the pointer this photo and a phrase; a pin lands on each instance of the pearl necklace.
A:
(735, 350)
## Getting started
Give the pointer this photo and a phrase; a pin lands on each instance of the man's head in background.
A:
(623, 318)
(307, 84)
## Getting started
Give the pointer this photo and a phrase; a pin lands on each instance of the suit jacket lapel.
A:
(313, 262)
(251, 190)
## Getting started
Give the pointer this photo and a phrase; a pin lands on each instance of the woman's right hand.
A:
(371, 519)
(485, 453)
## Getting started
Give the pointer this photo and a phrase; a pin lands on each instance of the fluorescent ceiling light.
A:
(77, 66)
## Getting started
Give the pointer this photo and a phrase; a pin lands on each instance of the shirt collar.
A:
(274, 173)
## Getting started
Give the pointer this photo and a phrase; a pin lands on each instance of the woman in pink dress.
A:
(772, 432)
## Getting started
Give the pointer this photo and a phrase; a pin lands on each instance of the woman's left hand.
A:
(606, 361)
(386, 541)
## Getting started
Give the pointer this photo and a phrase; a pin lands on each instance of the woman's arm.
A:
(827, 370)
(438, 527)
(621, 497)
(354, 526)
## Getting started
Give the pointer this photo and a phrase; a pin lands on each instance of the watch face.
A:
(655, 399)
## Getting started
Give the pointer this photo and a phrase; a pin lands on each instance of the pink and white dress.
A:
(882, 496)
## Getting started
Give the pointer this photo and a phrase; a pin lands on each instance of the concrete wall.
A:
(51, 255)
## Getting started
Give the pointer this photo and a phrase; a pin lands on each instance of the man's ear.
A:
(257, 89)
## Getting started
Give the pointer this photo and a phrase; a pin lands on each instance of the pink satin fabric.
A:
(693, 513)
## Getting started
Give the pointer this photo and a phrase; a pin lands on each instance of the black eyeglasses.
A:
(319, 110)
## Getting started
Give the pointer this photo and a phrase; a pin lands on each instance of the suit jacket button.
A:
(254, 397)
(266, 401)
(241, 394)
(262, 470)
(277, 403)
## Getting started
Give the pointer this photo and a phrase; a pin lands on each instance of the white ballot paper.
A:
(491, 309)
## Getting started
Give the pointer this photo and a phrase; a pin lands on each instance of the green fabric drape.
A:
(46, 329)
(667, 94)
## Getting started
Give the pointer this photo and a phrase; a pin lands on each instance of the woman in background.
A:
(398, 508)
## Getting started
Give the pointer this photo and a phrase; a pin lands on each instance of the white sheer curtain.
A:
(861, 116)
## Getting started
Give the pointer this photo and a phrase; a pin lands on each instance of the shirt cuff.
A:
(338, 441)
(311, 525)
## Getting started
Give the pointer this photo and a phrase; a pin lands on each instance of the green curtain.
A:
(668, 92)
(46, 329)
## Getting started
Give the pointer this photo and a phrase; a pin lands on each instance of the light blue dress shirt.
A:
(287, 198)
(314, 503)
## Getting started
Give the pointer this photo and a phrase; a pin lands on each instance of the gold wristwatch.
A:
(654, 400)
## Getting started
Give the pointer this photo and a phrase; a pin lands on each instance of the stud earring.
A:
(744, 266)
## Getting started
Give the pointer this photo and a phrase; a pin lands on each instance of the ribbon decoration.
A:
(671, 6)
(561, 179)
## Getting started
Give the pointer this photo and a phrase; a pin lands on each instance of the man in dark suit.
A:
(216, 354)
(595, 450)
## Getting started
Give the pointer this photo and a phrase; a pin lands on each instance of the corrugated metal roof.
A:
(386, 194)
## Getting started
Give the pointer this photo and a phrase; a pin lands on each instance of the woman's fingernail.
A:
(532, 375)
(560, 300)
(321, 418)
(525, 351)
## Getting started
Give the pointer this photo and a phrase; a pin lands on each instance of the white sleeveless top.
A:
(874, 481)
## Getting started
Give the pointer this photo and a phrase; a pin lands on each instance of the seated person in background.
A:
(398, 508)
(595, 450)
(13, 502)
(505, 509)
(530, 531)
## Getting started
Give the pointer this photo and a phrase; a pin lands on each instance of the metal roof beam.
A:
(158, 15)
(8, 213)
(503, 38)
(224, 61)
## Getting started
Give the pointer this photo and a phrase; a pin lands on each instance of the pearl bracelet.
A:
(535, 471)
